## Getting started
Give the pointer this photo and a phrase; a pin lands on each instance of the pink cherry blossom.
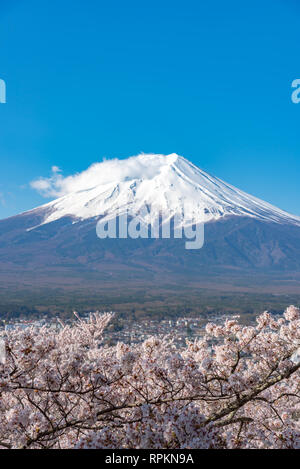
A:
(236, 387)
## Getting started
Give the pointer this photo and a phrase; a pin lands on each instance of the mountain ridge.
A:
(170, 184)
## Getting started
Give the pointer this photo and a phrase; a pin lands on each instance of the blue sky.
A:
(208, 80)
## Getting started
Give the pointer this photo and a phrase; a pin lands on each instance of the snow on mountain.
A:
(166, 183)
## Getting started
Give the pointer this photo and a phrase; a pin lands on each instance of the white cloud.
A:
(55, 169)
(135, 167)
(41, 184)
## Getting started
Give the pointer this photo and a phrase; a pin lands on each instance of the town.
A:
(128, 331)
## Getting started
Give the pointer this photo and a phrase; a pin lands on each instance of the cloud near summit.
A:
(144, 166)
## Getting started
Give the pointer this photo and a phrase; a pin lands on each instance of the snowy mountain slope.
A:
(170, 184)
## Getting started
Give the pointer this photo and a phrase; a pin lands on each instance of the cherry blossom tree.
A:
(235, 387)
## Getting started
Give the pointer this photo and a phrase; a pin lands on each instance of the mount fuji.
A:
(248, 242)
(167, 183)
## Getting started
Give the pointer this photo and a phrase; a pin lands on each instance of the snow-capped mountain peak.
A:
(166, 183)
